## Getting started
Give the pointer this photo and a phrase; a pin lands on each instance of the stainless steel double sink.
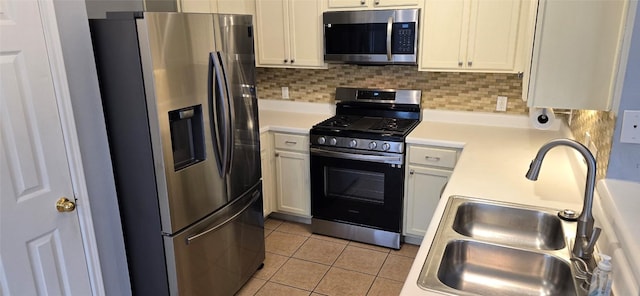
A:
(485, 247)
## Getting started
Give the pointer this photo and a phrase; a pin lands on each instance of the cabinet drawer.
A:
(433, 156)
(291, 142)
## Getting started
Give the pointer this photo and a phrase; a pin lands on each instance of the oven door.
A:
(361, 189)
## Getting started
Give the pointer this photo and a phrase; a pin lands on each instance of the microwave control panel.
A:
(403, 38)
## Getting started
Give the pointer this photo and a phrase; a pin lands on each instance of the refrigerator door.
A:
(234, 49)
(175, 54)
(219, 254)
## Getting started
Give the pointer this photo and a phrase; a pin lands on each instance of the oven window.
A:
(354, 184)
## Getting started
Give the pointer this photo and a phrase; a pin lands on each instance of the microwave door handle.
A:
(231, 113)
(389, 31)
(222, 92)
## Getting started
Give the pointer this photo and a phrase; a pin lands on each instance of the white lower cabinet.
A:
(428, 172)
(293, 193)
(424, 186)
(268, 175)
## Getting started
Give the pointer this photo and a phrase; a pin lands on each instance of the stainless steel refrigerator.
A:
(179, 98)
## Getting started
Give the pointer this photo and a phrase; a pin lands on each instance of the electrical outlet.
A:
(630, 127)
(285, 92)
(501, 103)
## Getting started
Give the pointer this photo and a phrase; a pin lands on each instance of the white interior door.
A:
(41, 251)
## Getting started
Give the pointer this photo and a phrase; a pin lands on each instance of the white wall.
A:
(624, 162)
(79, 63)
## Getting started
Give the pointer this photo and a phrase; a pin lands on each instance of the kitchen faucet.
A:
(586, 235)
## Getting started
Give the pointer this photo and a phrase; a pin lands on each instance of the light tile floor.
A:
(301, 263)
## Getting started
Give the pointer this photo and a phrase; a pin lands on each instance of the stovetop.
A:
(366, 124)
(376, 120)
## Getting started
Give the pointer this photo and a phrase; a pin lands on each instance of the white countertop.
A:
(619, 202)
(492, 164)
(292, 117)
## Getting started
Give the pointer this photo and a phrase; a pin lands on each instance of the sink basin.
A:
(486, 247)
(488, 269)
(510, 226)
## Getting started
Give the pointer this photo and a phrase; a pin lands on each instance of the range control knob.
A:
(386, 146)
(373, 145)
(321, 140)
(353, 143)
(333, 141)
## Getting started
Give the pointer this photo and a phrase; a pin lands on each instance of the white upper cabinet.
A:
(289, 33)
(576, 54)
(368, 4)
(474, 35)
(237, 6)
(208, 6)
(218, 6)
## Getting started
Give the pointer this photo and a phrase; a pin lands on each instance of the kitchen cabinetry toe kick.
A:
(356, 233)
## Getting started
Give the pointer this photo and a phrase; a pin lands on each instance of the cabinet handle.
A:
(411, 172)
(362, 2)
(293, 61)
(432, 158)
(290, 142)
(277, 154)
(377, 2)
(460, 64)
(286, 61)
(469, 63)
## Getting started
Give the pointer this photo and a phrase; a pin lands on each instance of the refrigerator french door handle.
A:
(222, 92)
(213, 114)
(231, 109)
(214, 228)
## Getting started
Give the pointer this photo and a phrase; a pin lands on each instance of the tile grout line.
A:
(330, 266)
(348, 243)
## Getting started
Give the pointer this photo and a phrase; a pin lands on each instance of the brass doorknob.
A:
(65, 205)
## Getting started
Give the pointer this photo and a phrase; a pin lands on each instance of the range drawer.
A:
(440, 157)
(291, 142)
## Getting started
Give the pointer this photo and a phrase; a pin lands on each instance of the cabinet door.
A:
(305, 31)
(205, 6)
(292, 183)
(272, 32)
(268, 177)
(443, 34)
(424, 186)
(493, 35)
(394, 3)
(236, 6)
(576, 59)
(347, 3)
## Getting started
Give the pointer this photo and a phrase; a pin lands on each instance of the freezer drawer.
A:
(219, 254)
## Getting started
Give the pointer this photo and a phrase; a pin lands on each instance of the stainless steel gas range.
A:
(357, 159)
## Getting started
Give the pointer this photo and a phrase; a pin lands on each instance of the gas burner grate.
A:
(393, 124)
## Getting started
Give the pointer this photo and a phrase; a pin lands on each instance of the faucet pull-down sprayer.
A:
(586, 234)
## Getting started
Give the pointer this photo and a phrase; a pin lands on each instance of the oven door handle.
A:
(363, 157)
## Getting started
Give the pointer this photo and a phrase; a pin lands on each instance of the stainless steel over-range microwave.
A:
(371, 36)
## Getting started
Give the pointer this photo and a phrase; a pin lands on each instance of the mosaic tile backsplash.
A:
(440, 90)
(600, 125)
